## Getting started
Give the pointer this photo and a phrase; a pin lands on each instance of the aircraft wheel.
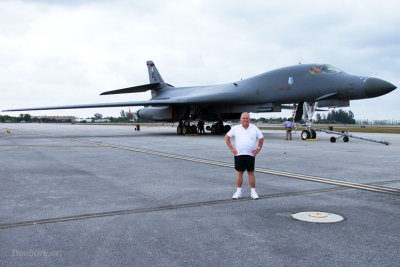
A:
(333, 139)
(184, 130)
(218, 129)
(208, 128)
(213, 129)
(179, 130)
(313, 134)
(305, 134)
(345, 139)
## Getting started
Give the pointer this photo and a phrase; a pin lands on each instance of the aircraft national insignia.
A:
(290, 81)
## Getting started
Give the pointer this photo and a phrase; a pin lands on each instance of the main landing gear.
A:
(185, 128)
(218, 128)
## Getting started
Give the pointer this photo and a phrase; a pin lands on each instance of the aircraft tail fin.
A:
(154, 75)
(155, 78)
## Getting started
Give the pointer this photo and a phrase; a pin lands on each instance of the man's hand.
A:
(260, 144)
(234, 151)
(228, 143)
(255, 152)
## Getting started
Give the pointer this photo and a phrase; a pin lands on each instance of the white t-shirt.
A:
(245, 139)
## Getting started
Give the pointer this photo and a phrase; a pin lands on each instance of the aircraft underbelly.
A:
(268, 107)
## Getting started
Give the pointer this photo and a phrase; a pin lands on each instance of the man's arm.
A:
(258, 149)
(228, 143)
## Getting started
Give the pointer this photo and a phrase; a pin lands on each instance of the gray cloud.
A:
(67, 52)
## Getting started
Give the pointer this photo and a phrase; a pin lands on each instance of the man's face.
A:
(245, 120)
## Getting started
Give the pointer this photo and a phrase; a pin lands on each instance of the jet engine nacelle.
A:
(162, 113)
(333, 103)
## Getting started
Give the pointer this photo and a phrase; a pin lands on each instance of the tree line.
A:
(28, 118)
(339, 116)
(335, 116)
(125, 117)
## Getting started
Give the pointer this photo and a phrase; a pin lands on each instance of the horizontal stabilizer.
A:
(135, 89)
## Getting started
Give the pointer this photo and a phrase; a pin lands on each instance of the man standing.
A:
(200, 127)
(289, 126)
(245, 150)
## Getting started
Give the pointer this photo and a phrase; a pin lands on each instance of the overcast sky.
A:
(68, 52)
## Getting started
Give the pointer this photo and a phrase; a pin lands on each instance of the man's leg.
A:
(252, 179)
(239, 182)
(239, 179)
(252, 182)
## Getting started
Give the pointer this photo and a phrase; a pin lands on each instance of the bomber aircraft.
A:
(303, 88)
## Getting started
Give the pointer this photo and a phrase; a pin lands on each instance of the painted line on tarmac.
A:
(48, 146)
(156, 209)
(368, 187)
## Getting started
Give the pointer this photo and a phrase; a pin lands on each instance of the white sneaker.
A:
(254, 195)
(237, 195)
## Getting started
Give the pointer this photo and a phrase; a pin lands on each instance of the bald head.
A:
(245, 119)
(245, 114)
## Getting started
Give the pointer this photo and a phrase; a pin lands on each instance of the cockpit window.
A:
(324, 69)
(330, 69)
(315, 69)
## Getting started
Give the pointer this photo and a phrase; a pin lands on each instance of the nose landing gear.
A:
(308, 134)
(308, 112)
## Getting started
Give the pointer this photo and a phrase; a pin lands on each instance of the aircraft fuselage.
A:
(267, 92)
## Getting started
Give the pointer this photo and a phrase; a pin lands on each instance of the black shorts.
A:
(244, 162)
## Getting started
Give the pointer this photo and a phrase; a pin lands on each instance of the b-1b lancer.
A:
(303, 88)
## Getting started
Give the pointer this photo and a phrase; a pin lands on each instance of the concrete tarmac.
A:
(88, 195)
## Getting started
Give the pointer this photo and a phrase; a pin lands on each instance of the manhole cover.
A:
(317, 217)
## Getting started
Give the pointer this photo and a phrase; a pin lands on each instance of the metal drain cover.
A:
(317, 217)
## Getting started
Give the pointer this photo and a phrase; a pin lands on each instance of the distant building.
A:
(102, 120)
(83, 120)
(91, 120)
(56, 118)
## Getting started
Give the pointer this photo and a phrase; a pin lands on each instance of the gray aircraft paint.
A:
(266, 92)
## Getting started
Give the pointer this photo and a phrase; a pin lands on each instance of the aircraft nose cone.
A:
(376, 87)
